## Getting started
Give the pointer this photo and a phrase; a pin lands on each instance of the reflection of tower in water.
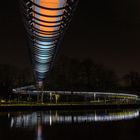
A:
(39, 128)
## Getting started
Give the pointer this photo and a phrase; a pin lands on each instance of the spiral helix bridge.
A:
(45, 22)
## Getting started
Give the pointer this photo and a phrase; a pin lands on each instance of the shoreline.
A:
(45, 107)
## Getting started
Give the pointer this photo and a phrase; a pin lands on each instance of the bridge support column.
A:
(42, 97)
(40, 94)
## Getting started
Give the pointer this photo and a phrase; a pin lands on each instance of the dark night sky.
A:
(108, 31)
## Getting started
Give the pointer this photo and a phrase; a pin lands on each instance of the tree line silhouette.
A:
(12, 77)
(71, 74)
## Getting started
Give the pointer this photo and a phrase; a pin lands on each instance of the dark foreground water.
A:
(71, 125)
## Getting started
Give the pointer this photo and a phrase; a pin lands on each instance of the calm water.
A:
(71, 125)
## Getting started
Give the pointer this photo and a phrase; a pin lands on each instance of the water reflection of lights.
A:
(53, 117)
(39, 130)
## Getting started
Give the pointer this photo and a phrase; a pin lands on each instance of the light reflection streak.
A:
(39, 129)
(49, 118)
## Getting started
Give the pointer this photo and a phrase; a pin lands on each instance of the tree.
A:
(132, 80)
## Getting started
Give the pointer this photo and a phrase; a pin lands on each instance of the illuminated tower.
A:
(46, 22)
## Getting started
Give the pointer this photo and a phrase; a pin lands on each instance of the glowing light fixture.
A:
(45, 22)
